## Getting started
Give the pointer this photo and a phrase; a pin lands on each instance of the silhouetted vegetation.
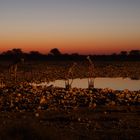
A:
(55, 54)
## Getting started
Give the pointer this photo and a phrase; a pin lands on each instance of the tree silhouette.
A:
(17, 51)
(123, 53)
(134, 52)
(55, 52)
(35, 53)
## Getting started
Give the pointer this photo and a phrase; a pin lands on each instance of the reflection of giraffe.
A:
(69, 76)
(91, 73)
(14, 67)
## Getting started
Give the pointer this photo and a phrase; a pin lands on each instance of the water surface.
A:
(113, 83)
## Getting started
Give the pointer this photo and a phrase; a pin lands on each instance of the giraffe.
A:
(14, 67)
(69, 75)
(91, 73)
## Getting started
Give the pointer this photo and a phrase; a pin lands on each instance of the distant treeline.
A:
(55, 54)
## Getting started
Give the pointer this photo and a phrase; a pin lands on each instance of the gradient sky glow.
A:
(83, 26)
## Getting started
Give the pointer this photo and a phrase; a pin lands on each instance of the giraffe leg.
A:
(15, 73)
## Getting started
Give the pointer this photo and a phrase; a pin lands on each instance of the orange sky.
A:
(87, 44)
(82, 26)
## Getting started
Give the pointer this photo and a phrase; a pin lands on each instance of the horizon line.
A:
(64, 52)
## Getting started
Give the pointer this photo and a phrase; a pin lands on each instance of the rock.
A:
(36, 114)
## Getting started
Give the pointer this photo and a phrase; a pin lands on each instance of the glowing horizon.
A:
(72, 26)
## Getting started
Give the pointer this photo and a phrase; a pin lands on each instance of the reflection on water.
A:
(113, 83)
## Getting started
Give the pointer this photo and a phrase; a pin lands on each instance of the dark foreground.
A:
(102, 123)
(50, 113)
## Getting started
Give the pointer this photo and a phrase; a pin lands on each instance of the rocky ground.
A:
(30, 112)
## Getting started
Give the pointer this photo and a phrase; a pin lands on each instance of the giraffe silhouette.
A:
(91, 73)
(13, 68)
(69, 76)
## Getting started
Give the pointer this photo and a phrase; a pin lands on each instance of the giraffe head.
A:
(22, 60)
(88, 57)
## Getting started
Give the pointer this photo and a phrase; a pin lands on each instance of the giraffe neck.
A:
(71, 68)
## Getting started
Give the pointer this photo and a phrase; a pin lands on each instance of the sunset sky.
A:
(83, 26)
